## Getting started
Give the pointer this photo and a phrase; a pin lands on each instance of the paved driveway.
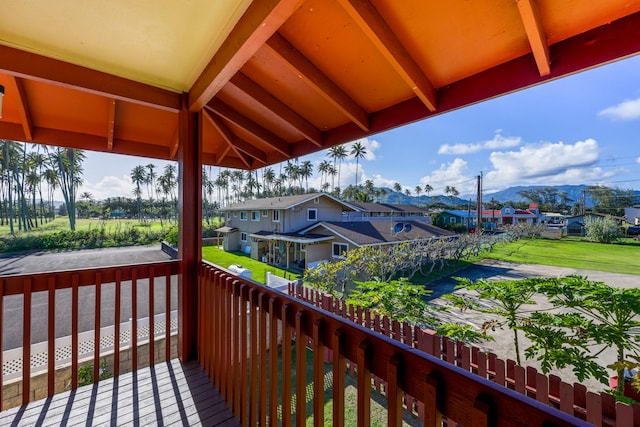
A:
(498, 270)
(71, 260)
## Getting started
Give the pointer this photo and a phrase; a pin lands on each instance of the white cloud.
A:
(626, 110)
(546, 164)
(108, 186)
(450, 174)
(497, 142)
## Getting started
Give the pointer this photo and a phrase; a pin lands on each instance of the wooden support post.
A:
(190, 229)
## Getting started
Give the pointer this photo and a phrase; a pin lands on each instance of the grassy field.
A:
(623, 257)
(258, 269)
(110, 225)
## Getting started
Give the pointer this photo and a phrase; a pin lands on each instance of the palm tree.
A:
(398, 188)
(451, 191)
(138, 177)
(338, 152)
(306, 171)
(323, 168)
(418, 190)
(358, 151)
(268, 179)
(427, 189)
(68, 165)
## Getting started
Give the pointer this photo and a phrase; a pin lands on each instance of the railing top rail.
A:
(14, 284)
(456, 385)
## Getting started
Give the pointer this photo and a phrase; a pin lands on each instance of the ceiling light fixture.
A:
(1, 96)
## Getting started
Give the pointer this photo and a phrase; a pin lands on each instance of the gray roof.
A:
(226, 229)
(283, 202)
(364, 233)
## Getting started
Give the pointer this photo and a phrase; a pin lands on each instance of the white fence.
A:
(12, 366)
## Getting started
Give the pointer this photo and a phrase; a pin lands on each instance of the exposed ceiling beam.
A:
(234, 141)
(225, 150)
(318, 81)
(277, 107)
(36, 67)
(17, 87)
(260, 21)
(599, 46)
(111, 124)
(365, 15)
(227, 135)
(530, 15)
(264, 135)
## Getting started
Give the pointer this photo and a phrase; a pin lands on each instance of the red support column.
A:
(190, 229)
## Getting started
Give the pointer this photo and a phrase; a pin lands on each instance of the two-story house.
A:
(305, 229)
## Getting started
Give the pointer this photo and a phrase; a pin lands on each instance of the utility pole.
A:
(479, 205)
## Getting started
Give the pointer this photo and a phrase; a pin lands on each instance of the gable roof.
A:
(362, 233)
(283, 202)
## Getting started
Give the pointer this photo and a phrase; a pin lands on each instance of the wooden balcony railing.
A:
(103, 285)
(250, 336)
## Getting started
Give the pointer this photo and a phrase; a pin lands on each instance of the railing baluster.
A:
(74, 331)
(318, 374)
(1, 343)
(394, 392)
(152, 327)
(262, 392)
(133, 349)
(96, 329)
(339, 367)
(253, 378)
(286, 365)
(116, 325)
(364, 384)
(26, 342)
(231, 344)
(244, 344)
(301, 368)
(273, 363)
(51, 336)
(167, 314)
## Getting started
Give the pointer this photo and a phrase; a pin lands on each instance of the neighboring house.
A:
(305, 229)
(267, 229)
(632, 215)
(349, 235)
(467, 218)
(576, 224)
(553, 219)
(385, 212)
(493, 218)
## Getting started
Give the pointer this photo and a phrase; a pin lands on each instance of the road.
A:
(71, 260)
(498, 270)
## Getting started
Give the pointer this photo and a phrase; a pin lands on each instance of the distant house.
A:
(453, 217)
(632, 214)
(305, 229)
(492, 218)
(576, 223)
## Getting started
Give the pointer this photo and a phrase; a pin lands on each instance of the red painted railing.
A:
(242, 323)
(98, 279)
(597, 408)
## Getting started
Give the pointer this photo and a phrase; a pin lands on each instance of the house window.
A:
(228, 215)
(452, 220)
(235, 214)
(339, 250)
(312, 214)
(316, 200)
(243, 236)
(507, 210)
(276, 216)
(255, 215)
(265, 213)
(243, 215)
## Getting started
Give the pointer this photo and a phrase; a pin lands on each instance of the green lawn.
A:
(258, 269)
(623, 257)
(62, 224)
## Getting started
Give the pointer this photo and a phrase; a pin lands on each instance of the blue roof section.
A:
(461, 213)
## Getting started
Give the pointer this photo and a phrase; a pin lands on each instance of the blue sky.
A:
(582, 129)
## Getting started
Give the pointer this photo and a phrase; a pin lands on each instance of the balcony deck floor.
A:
(166, 394)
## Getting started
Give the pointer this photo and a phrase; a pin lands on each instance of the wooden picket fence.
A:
(600, 409)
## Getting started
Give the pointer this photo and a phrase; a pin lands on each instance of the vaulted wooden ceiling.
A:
(279, 79)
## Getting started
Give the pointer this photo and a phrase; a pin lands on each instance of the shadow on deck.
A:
(165, 394)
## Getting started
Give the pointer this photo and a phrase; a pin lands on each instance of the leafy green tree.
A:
(592, 317)
(506, 299)
(602, 230)
(403, 301)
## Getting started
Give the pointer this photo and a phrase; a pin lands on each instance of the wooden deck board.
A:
(167, 394)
